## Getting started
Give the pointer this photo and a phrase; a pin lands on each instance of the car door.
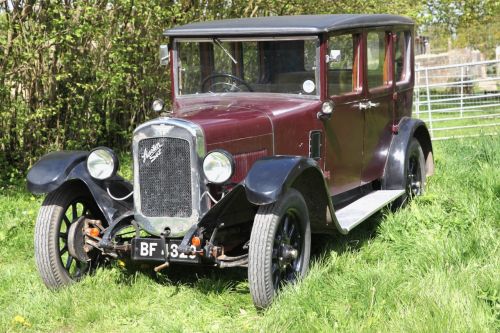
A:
(344, 131)
(378, 105)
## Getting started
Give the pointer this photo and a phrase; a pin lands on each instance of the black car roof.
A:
(285, 25)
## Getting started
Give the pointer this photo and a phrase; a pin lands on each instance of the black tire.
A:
(56, 266)
(415, 174)
(271, 261)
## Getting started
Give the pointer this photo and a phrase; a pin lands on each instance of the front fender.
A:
(266, 181)
(52, 170)
(58, 168)
(271, 176)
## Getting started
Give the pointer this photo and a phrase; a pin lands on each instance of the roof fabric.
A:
(285, 25)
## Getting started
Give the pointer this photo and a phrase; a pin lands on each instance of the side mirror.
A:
(333, 56)
(164, 55)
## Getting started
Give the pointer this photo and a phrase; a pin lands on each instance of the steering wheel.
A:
(233, 86)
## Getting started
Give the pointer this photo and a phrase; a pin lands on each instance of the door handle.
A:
(373, 105)
(363, 106)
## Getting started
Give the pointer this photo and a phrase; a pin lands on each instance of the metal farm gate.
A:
(457, 101)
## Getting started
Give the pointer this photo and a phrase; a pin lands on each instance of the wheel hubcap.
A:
(287, 263)
(76, 240)
(414, 176)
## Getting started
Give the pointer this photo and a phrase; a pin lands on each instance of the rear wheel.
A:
(415, 176)
(60, 210)
(280, 246)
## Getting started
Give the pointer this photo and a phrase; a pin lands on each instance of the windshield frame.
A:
(175, 68)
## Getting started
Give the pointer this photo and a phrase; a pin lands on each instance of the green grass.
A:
(431, 267)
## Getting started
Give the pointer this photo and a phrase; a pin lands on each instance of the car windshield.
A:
(258, 65)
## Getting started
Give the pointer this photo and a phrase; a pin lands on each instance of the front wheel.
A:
(60, 209)
(280, 246)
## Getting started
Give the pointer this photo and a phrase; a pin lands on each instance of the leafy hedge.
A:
(75, 74)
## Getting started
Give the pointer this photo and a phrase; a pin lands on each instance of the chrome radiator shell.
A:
(148, 145)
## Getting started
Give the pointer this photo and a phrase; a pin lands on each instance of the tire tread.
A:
(47, 261)
(266, 222)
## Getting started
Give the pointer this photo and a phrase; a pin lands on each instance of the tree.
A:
(470, 23)
(75, 74)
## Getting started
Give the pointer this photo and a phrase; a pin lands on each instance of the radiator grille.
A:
(165, 177)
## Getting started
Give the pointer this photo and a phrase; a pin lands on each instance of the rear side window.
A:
(402, 56)
(343, 64)
(378, 59)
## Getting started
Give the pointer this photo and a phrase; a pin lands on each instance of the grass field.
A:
(431, 267)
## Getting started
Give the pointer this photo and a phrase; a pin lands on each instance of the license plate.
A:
(153, 249)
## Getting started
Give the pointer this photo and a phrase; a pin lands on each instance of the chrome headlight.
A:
(327, 107)
(157, 105)
(102, 163)
(218, 166)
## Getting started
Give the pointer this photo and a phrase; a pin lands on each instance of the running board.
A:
(358, 211)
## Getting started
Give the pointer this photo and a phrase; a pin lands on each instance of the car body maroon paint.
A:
(253, 123)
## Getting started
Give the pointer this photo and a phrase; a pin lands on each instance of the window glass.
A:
(343, 53)
(377, 59)
(232, 66)
(188, 74)
(402, 56)
(250, 61)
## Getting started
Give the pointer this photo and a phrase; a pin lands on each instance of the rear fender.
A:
(394, 172)
(56, 169)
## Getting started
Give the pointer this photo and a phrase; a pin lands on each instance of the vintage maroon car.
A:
(281, 127)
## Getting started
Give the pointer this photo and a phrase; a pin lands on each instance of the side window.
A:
(343, 64)
(189, 72)
(402, 56)
(378, 59)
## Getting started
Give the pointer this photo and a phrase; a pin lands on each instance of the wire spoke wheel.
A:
(60, 210)
(287, 247)
(280, 246)
(415, 170)
(75, 269)
(414, 180)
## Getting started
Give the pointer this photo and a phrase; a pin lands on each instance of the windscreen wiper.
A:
(219, 44)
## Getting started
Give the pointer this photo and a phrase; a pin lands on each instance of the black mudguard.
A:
(52, 170)
(58, 168)
(270, 177)
(394, 172)
(264, 184)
